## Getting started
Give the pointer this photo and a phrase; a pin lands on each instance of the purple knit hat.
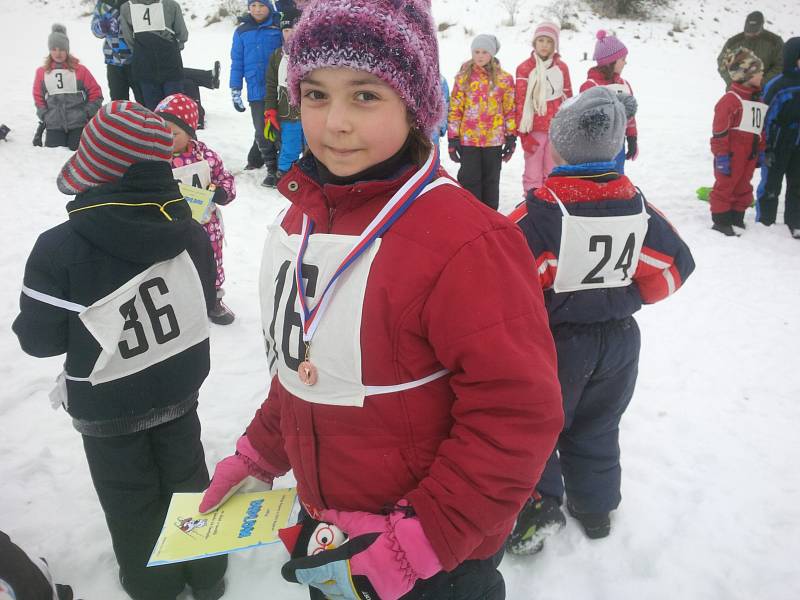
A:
(608, 49)
(394, 40)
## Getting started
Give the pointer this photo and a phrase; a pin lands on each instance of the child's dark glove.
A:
(633, 148)
(236, 96)
(220, 197)
(37, 137)
(722, 164)
(508, 148)
(454, 149)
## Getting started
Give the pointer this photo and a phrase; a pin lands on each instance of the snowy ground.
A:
(711, 487)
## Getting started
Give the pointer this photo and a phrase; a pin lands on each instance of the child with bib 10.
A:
(414, 391)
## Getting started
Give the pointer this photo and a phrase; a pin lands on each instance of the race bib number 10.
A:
(147, 17)
(753, 115)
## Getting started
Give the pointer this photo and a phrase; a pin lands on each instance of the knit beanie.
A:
(181, 110)
(486, 41)
(120, 134)
(394, 40)
(591, 126)
(58, 38)
(791, 54)
(548, 29)
(742, 64)
(289, 18)
(608, 49)
(754, 22)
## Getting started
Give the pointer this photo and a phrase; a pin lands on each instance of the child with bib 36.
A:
(415, 396)
(196, 164)
(601, 252)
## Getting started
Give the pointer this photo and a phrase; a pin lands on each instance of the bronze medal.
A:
(307, 373)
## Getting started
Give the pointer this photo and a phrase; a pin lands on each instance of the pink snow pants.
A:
(538, 164)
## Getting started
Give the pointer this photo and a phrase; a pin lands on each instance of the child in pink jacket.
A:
(543, 83)
(181, 114)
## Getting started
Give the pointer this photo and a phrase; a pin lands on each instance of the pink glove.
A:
(384, 557)
(231, 473)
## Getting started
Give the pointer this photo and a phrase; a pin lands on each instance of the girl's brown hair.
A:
(419, 146)
(72, 62)
(493, 68)
(607, 71)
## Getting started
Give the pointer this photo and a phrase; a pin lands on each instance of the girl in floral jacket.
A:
(181, 114)
(482, 127)
(543, 84)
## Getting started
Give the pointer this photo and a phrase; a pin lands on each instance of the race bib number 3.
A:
(147, 17)
(61, 81)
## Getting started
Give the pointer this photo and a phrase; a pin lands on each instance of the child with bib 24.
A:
(601, 252)
(414, 391)
(196, 164)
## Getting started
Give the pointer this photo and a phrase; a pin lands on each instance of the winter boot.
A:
(596, 525)
(221, 314)
(795, 233)
(215, 75)
(254, 158)
(215, 592)
(271, 180)
(737, 221)
(723, 223)
(538, 519)
(4, 129)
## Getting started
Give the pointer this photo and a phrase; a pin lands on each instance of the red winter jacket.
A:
(595, 77)
(449, 288)
(541, 122)
(67, 111)
(728, 114)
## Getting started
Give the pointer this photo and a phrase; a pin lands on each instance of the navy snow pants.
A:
(597, 368)
(787, 164)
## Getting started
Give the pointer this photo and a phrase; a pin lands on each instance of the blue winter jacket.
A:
(253, 44)
(782, 93)
(106, 26)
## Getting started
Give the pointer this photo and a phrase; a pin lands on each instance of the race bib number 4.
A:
(61, 81)
(147, 17)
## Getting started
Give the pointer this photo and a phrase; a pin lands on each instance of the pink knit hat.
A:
(548, 29)
(608, 49)
(394, 40)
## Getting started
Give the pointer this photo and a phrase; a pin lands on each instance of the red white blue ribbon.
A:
(393, 210)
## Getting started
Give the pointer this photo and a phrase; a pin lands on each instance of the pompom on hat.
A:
(742, 64)
(58, 38)
(394, 40)
(608, 49)
(120, 134)
(181, 110)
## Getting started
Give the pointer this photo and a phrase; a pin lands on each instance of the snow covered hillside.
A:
(711, 486)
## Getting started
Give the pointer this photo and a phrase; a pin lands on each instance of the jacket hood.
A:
(142, 218)
(791, 54)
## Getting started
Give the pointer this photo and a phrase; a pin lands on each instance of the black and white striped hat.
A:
(120, 134)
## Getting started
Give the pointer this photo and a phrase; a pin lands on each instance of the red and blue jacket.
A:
(596, 190)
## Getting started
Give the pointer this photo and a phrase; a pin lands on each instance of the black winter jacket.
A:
(88, 257)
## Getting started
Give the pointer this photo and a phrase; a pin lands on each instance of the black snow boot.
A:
(271, 180)
(737, 219)
(215, 75)
(723, 222)
(538, 520)
(254, 158)
(596, 525)
(215, 592)
(221, 314)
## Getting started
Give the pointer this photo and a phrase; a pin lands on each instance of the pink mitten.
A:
(383, 557)
(231, 473)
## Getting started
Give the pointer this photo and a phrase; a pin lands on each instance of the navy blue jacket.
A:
(782, 93)
(595, 191)
(253, 44)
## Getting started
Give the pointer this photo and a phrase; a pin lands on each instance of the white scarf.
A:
(536, 94)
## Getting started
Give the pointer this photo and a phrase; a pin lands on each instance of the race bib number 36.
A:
(61, 81)
(147, 17)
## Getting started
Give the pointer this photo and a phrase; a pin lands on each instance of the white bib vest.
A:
(336, 347)
(753, 116)
(598, 252)
(61, 81)
(147, 17)
(197, 174)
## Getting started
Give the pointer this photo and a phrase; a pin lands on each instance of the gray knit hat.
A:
(591, 126)
(58, 38)
(486, 41)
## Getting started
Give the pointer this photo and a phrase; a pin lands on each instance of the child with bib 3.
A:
(194, 163)
(414, 392)
(601, 252)
(65, 93)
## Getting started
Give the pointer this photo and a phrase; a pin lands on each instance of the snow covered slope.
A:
(711, 487)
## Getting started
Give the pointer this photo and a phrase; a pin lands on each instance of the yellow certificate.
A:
(199, 201)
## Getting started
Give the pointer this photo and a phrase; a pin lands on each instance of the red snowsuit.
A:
(734, 191)
(450, 287)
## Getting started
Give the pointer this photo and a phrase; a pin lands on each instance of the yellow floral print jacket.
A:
(482, 114)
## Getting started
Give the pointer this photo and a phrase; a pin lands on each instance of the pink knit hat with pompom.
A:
(608, 49)
(548, 29)
(394, 40)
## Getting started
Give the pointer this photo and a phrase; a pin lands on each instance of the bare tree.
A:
(511, 6)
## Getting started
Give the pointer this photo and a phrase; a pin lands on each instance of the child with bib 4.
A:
(737, 142)
(601, 252)
(123, 288)
(414, 392)
(196, 164)
(543, 83)
(65, 94)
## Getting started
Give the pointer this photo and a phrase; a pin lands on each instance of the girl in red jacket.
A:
(611, 56)
(415, 397)
(737, 142)
(65, 93)
(543, 84)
